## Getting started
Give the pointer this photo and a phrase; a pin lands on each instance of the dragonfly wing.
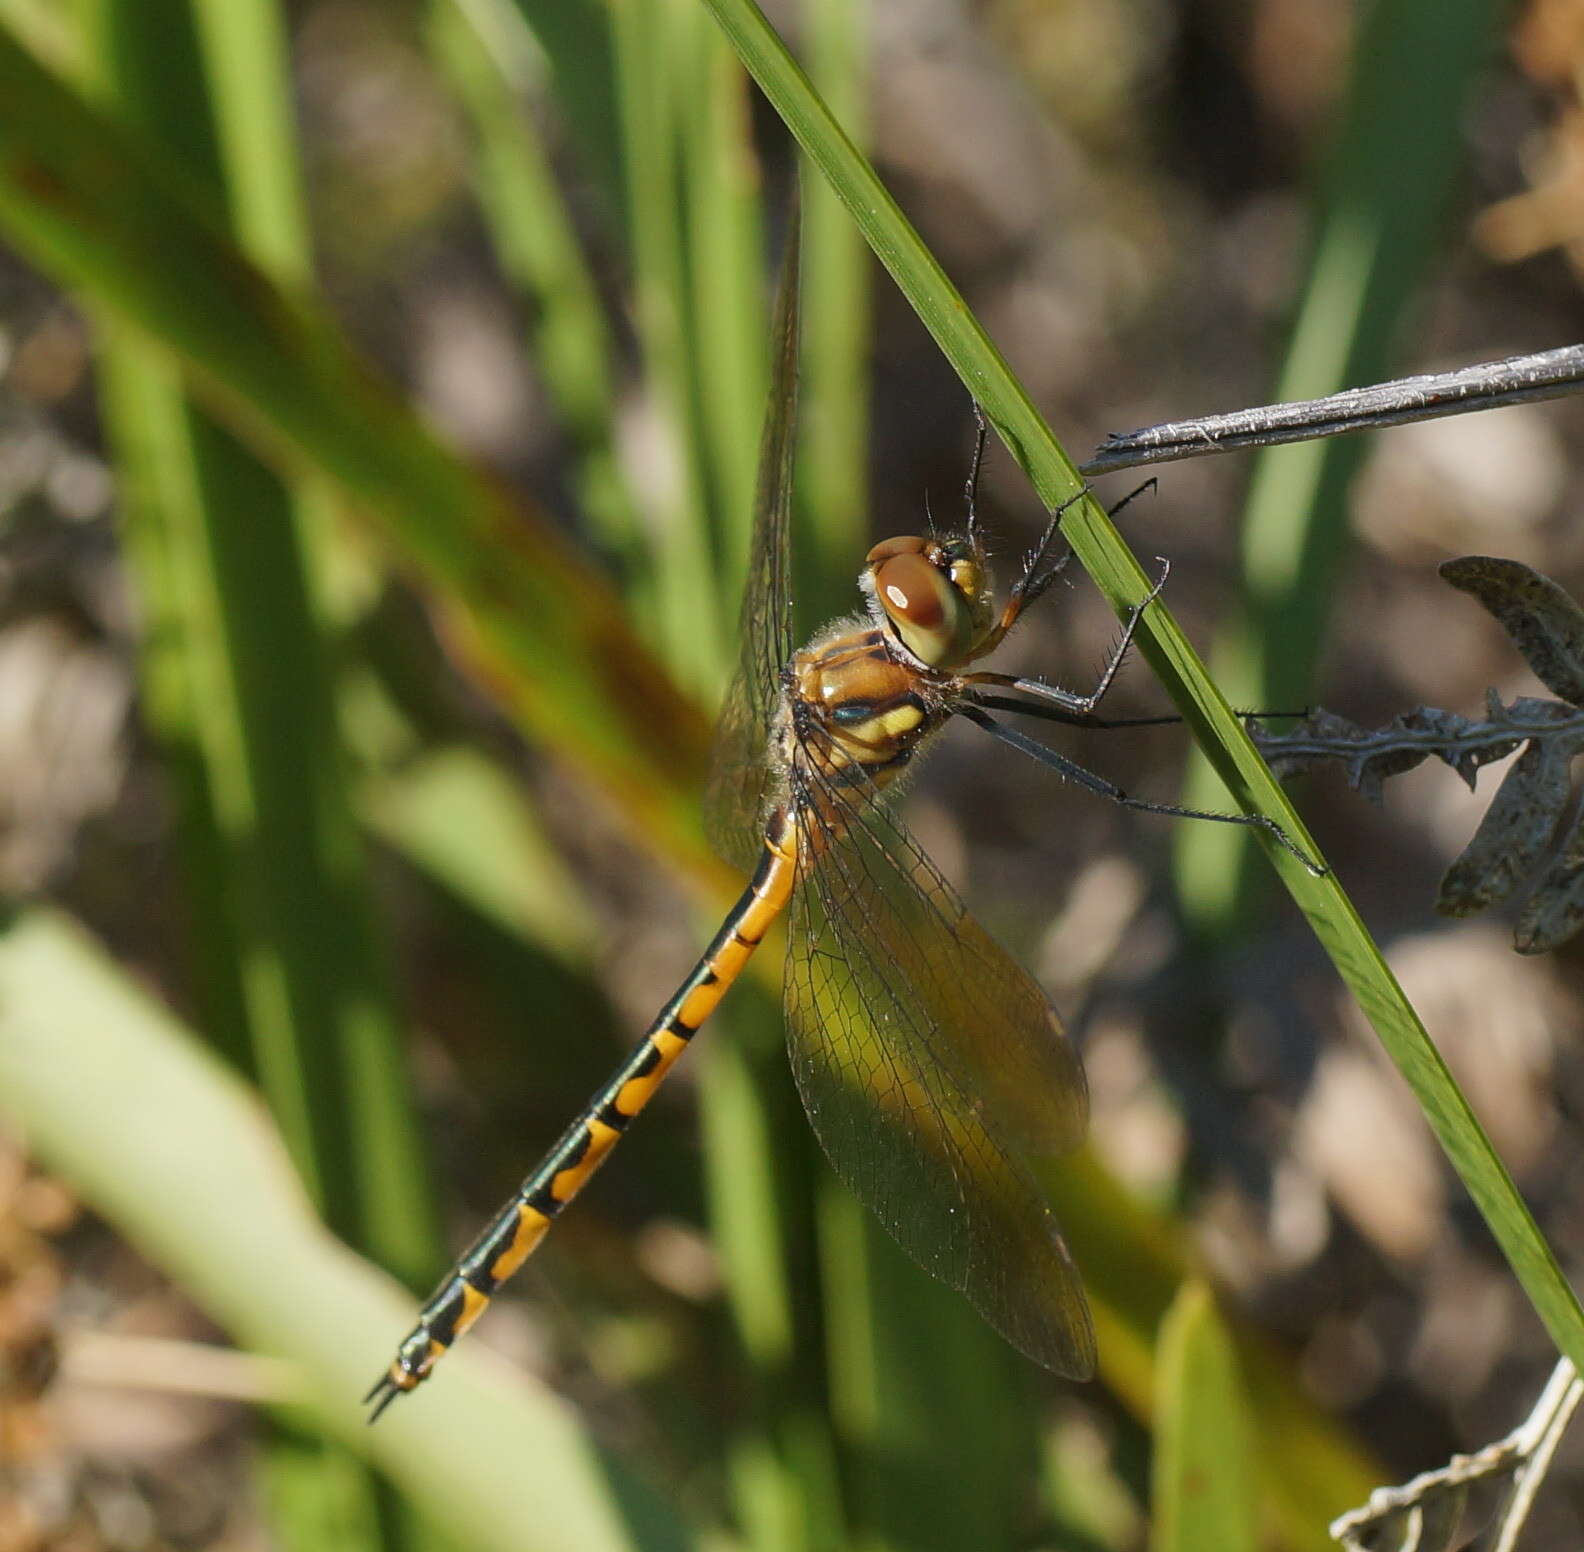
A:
(929, 1064)
(741, 780)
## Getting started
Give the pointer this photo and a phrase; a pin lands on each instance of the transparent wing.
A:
(929, 1064)
(741, 779)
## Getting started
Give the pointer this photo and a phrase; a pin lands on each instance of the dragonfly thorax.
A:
(856, 701)
(932, 595)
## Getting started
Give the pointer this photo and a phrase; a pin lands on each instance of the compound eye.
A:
(902, 544)
(912, 590)
(922, 605)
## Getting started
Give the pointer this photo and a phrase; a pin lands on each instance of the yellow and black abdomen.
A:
(516, 1230)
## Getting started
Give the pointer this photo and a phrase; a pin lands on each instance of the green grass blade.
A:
(728, 315)
(1203, 1472)
(231, 585)
(169, 1146)
(282, 938)
(937, 1417)
(500, 861)
(577, 37)
(973, 1406)
(1330, 913)
(650, 40)
(759, 1158)
(146, 421)
(237, 963)
(492, 61)
(49, 29)
(244, 53)
(106, 214)
(897, 246)
(1135, 1261)
(833, 458)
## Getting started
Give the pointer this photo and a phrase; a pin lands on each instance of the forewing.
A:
(929, 1063)
(740, 780)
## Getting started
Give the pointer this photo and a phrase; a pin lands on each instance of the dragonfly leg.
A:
(1108, 789)
(1034, 581)
(1051, 713)
(1080, 706)
(971, 488)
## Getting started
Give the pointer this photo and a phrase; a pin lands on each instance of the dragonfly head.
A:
(935, 595)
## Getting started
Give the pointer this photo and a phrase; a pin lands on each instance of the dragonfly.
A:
(932, 1067)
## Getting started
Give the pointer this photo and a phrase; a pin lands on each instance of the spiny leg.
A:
(1109, 789)
(1051, 713)
(971, 488)
(1151, 484)
(1038, 570)
(1081, 705)
(1035, 582)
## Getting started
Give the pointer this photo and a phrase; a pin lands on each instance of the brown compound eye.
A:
(913, 591)
(901, 544)
(929, 614)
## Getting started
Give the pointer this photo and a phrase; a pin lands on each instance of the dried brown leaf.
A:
(1555, 911)
(1516, 829)
(1544, 623)
(1530, 810)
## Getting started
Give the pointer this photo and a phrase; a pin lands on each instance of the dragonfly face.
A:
(866, 693)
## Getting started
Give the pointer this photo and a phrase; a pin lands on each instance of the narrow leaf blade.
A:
(1204, 1486)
